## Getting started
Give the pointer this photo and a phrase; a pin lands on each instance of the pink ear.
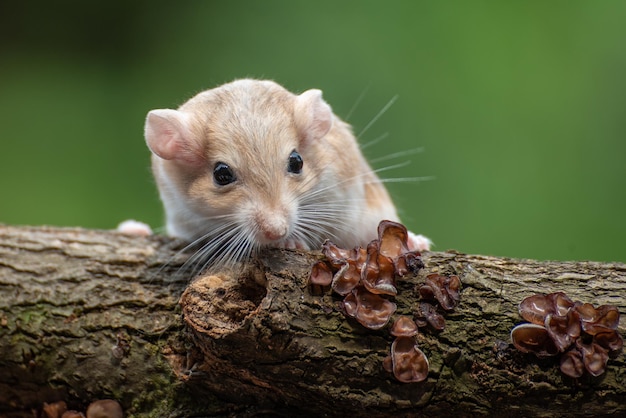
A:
(168, 136)
(313, 116)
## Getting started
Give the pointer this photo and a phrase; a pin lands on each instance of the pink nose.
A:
(272, 225)
(273, 235)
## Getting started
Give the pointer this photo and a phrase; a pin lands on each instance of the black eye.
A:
(223, 174)
(294, 164)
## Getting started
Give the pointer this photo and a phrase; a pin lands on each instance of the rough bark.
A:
(94, 314)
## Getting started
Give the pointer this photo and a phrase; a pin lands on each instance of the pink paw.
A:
(132, 227)
(419, 242)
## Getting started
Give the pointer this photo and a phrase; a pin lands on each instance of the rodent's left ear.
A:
(313, 116)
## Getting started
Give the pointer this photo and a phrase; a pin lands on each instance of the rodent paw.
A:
(419, 242)
(132, 227)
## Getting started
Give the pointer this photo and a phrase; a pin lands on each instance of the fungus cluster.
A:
(585, 336)
(366, 278)
(103, 408)
(406, 361)
(441, 290)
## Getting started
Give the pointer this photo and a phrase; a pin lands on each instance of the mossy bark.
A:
(95, 314)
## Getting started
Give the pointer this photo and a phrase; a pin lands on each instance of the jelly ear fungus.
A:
(586, 337)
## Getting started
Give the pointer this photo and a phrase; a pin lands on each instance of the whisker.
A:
(392, 167)
(378, 115)
(358, 101)
(374, 141)
(315, 193)
(186, 265)
(312, 237)
(320, 222)
(216, 248)
(321, 219)
(397, 155)
(240, 249)
(407, 179)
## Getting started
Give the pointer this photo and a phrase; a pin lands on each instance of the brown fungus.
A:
(346, 278)
(370, 310)
(393, 242)
(427, 314)
(336, 256)
(410, 262)
(572, 364)
(609, 340)
(535, 308)
(73, 414)
(347, 264)
(388, 364)
(444, 289)
(321, 274)
(54, 409)
(393, 238)
(404, 326)
(105, 408)
(598, 319)
(409, 364)
(595, 358)
(359, 255)
(563, 330)
(378, 272)
(533, 338)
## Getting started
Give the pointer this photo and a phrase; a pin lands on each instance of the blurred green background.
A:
(520, 107)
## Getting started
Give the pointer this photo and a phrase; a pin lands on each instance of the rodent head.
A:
(233, 162)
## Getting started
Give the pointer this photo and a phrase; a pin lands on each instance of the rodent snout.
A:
(272, 225)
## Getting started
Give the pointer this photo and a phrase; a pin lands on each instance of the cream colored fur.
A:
(253, 126)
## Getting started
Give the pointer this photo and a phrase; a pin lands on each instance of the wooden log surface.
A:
(90, 314)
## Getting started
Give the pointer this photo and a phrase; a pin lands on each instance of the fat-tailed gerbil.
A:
(249, 164)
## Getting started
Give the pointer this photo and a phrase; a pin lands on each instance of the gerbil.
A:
(249, 164)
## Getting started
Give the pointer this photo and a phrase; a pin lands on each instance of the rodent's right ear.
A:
(169, 137)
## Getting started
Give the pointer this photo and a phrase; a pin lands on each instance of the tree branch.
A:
(95, 314)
